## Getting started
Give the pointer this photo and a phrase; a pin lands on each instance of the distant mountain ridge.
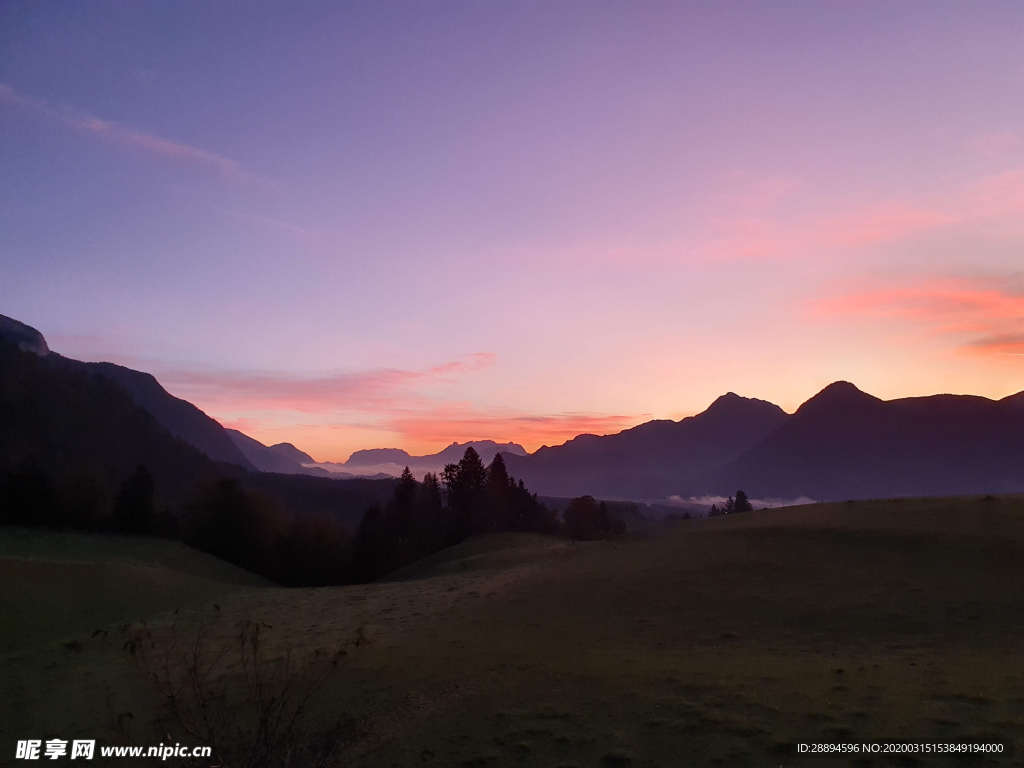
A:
(377, 456)
(651, 460)
(840, 444)
(846, 444)
(72, 434)
(280, 458)
(293, 453)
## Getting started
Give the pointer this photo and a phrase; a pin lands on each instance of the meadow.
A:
(717, 641)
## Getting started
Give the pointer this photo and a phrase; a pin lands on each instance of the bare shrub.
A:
(246, 701)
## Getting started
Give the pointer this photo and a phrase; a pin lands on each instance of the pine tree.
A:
(433, 524)
(404, 496)
(742, 502)
(465, 483)
(499, 496)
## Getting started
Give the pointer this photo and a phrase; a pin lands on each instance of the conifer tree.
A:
(742, 502)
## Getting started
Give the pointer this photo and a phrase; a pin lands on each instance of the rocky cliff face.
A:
(26, 337)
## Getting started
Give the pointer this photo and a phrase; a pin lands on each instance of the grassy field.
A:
(716, 642)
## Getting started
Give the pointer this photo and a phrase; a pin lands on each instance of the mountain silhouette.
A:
(452, 454)
(99, 420)
(846, 444)
(83, 435)
(275, 458)
(370, 457)
(293, 453)
(654, 459)
(74, 432)
(177, 416)
(1015, 402)
(27, 338)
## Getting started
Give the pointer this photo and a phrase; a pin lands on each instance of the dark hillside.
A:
(293, 453)
(651, 460)
(78, 437)
(70, 439)
(264, 458)
(179, 417)
(845, 444)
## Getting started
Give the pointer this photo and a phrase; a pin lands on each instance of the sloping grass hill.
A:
(718, 642)
(62, 586)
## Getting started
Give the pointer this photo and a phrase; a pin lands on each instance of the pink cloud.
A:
(882, 223)
(460, 422)
(979, 317)
(242, 425)
(994, 144)
(368, 391)
(1006, 344)
(368, 402)
(120, 134)
(750, 224)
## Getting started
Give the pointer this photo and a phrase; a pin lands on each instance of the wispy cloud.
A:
(778, 220)
(455, 421)
(375, 391)
(988, 199)
(410, 404)
(267, 221)
(978, 316)
(125, 135)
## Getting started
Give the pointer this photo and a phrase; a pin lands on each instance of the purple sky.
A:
(401, 224)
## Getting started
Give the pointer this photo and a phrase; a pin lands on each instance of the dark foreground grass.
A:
(720, 642)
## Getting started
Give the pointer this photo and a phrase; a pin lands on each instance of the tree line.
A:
(424, 517)
(739, 504)
(77, 452)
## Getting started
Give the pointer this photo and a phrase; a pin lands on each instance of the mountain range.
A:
(840, 444)
(283, 457)
(392, 460)
(651, 460)
(71, 433)
(846, 444)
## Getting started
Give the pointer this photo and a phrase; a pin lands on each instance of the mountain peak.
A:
(839, 394)
(731, 403)
(293, 453)
(842, 386)
(728, 397)
(26, 337)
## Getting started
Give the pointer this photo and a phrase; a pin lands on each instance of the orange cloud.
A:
(1007, 344)
(980, 317)
(457, 422)
(327, 412)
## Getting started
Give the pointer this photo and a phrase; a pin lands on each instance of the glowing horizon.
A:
(355, 227)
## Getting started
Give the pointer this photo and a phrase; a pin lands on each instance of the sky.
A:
(402, 224)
